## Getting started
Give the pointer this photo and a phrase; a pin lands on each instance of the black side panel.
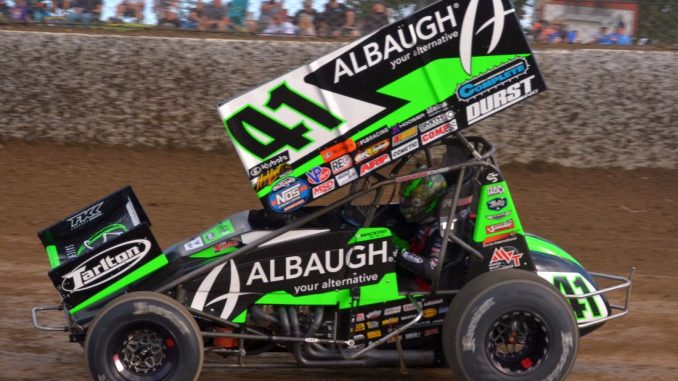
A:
(85, 275)
(305, 266)
(94, 225)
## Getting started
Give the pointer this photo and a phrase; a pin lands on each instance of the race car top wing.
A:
(442, 69)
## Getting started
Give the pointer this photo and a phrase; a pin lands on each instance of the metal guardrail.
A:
(625, 283)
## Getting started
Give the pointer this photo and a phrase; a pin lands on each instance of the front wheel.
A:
(144, 336)
(510, 325)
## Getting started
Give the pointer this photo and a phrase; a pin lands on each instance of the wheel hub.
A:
(143, 352)
(517, 342)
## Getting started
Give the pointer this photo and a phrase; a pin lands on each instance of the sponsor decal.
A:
(409, 307)
(422, 29)
(341, 164)
(106, 266)
(438, 132)
(499, 216)
(408, 317)
(468, 30)
(431, 331)
(442, 310)
(359, 327)
(492, 177)
(372, 151)
(506, 225)
(497, 204)
(442, 106)
(289, 198)
(360, 317)
(433, 302)
(374, 334)
(110, 233)
(408, 122)
(374, 164)
(275, 161)
(324, 188)
(359, 337)
(338, 150)
(221, 246)
(284, 182)
(505, 257)
(326, 263)
(373, 314)
(318, 175)
(390, 321)
(495, 190)
(271, 175)
(372, 137)
(372, 324)
(405, 149)
(430, 313)
(436, 121)
(194, 244)
(412, 335)
(87, 215)
(501, 239)
(404, 136)
(346, 177)
(412, 257)
(492, 79)
(500, 100)
(392, 310)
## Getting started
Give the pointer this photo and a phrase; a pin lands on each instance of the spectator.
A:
(376, 19)
(309, 14)
(21, 12)
(39, 10)
(603, 37)
(269, 9)
(619, 37)
(85, 11)
(193, 19)
(340, 19)
(571, 36)
(215, 16)
(60, 7)
(170, 16)
(305, 25)
(4, 11)
(238, 14)
(129, 11)
(549, 34)
(280, 25)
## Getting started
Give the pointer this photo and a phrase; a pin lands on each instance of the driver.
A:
(419, 200)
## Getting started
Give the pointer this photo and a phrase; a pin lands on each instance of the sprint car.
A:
(320, 280)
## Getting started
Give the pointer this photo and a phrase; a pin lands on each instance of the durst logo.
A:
(85, 216)
(468, 30)
(106, 265)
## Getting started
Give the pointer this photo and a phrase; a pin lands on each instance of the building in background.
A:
(589, 20)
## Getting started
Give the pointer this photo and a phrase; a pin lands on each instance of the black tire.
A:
(517, 307)
(144, 336)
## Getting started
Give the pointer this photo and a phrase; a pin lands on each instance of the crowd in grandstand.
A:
(334, 19)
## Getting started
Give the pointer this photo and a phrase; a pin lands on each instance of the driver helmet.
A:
(419, 197)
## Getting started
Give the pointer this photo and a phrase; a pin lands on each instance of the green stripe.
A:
(53, 256)
(543, 246)
(128, 279)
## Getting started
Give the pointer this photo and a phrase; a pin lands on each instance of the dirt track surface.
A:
(609, 219)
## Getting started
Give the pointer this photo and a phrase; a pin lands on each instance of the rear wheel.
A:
(144, 336)
(509, 325)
